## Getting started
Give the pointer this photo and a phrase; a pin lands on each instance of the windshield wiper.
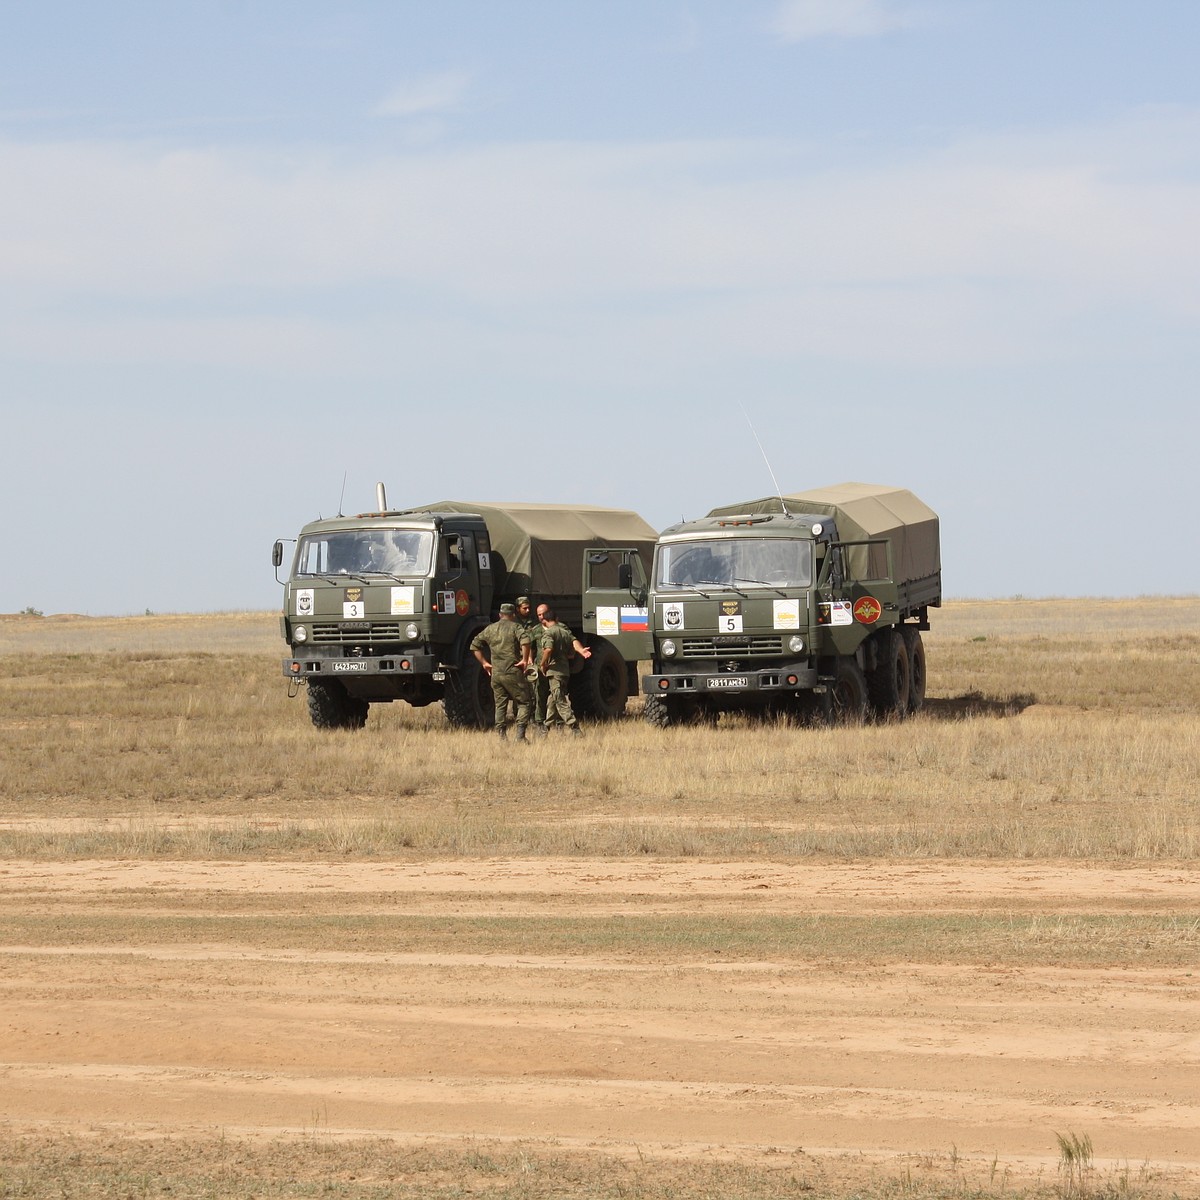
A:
(763, 583)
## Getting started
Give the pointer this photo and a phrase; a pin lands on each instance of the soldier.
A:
(508, 645)
(538, 686)
(557, 648)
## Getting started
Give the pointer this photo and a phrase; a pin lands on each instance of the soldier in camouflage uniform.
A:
(556, 652)
(538, 686)
(508, 646)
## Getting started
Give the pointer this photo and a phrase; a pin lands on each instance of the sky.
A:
(256, 255)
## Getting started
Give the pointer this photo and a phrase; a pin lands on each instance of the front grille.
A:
(380, 631)
(728, 646)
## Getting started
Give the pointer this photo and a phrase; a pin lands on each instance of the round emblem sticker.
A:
(867, 610)
(461, 603)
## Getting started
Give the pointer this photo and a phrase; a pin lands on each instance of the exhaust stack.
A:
(380, 498)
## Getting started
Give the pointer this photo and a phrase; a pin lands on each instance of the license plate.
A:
(728, 681)
(349, 666)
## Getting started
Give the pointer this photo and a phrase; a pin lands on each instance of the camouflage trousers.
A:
(511, 687)
(539, 687)
(558, 702)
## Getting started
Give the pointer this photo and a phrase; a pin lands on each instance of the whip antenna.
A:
(343, 495)
(778, 490)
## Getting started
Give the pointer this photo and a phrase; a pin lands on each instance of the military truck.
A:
(382, 606)
(811, 603)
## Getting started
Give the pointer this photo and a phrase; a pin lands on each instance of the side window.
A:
(602, 569)
(605, 570)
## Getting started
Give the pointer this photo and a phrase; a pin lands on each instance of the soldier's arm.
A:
(580, 648)
(477, 649)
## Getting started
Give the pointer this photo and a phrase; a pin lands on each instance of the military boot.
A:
(502, 732)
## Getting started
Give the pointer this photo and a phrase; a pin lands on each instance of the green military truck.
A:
(799, 604)
(382, 606)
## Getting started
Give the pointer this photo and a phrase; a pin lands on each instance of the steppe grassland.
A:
(1054, 729)
(1058, 729)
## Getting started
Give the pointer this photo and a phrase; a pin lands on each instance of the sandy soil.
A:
(737, 1058)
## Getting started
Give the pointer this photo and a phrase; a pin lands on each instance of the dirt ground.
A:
(673, 1055)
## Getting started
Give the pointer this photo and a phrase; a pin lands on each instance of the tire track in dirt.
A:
(605, 1050)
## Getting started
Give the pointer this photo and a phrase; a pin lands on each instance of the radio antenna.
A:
(778, 490)
(343, 495)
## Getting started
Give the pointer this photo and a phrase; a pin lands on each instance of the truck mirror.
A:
(277, 554)
(625, 576)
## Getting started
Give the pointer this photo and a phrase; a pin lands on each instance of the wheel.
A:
(468, 699)
(664, 711)
(331, 708)
(916, 667)
(658, 712)
(888, 683)
(601, 688)
(849, 693)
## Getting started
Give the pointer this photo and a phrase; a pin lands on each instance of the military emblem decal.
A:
(867, 610)
(462, 603)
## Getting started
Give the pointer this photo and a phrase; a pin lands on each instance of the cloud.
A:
(798, 20)
(427, 94)
(671, 254)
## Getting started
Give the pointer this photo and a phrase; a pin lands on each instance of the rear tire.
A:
(602, 687)
(468, 700)
(889, 683)
(916, 667)
(849, 693)
(330, 707)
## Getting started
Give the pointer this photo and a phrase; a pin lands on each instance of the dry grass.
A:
(313, 1164)
(1079, 744)
(997, 939)
(1055, 729)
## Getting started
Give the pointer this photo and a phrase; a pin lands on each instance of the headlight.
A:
(412, 631)
(796, 645)
(668, 648)
(818, 528)
(299, 634)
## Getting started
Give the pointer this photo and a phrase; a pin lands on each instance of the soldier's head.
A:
(523, 607)
(546, 613)
(507, 612)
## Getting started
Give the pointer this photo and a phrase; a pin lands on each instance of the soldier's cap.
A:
(522, 600)
(510, 609)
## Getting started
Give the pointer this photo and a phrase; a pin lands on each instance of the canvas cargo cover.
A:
(540, 546)
(867, 510)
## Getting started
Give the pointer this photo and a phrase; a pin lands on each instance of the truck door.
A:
(614, 600)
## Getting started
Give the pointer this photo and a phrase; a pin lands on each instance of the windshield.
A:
(735, 562)
(366, 552)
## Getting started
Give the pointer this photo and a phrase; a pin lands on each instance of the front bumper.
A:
(307, 663)
(699, 681)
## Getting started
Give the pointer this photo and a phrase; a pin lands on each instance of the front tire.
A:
(468, 700)
(849, 693)
(602, 687)
(330, 707)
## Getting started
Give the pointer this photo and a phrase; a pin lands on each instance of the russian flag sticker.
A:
(634, 620)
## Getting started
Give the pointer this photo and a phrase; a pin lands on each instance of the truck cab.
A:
(374, 605)
(764, 606)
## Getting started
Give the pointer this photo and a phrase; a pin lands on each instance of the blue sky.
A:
(561, 251)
